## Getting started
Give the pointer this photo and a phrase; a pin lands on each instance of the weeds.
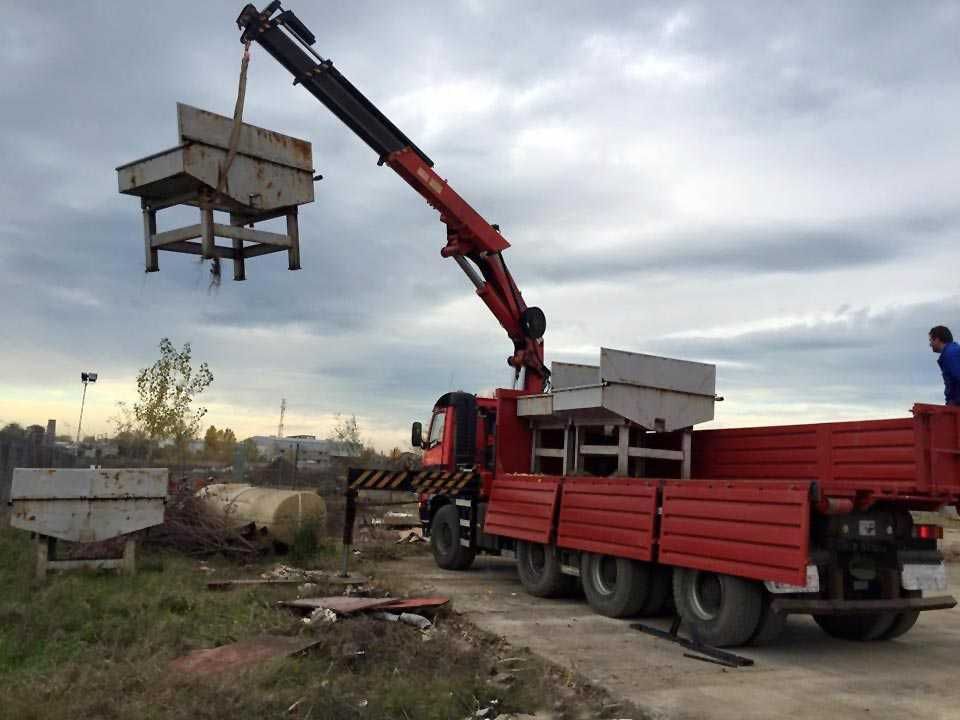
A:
(98, 645)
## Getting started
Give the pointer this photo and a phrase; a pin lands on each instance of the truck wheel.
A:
(660, 589)
(448, 553)
(719, 610)
(902, 624)
(615, 587)
(865, 627)
(539, 569)
(770, 626)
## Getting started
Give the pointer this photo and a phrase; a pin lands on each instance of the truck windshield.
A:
(436, 428)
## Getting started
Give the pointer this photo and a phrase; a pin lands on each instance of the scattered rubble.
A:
(188, 528)
(340, 604)
(288, 572)
(411, 536)
(418, 621)
(320, 616)
(230, 584)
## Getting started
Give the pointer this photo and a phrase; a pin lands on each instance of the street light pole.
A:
(85, 378)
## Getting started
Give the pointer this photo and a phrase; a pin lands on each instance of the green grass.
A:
(98, 645)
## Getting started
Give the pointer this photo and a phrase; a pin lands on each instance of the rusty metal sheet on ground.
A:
(425, 603)
(240, 655)
(340, 604)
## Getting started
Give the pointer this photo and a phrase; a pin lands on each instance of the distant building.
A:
(100, 449)
(305, 448)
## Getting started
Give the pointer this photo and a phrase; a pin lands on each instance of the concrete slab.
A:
(805, 675)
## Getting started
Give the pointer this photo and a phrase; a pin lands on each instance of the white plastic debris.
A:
(389, 617)
(321, 615)
(418, 621)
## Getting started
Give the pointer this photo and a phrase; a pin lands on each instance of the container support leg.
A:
(293, 234)
(349, 517)
(149, 230)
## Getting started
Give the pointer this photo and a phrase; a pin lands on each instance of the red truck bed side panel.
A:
(751, 529)
(523, 507)
(608, 516)
(910, 457)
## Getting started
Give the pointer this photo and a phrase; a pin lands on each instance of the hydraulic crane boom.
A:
(476, 245)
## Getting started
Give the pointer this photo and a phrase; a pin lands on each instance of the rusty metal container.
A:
(82, 505)
(270, 176)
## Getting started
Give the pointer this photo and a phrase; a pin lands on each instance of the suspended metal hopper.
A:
(270, 176)
(656, 393)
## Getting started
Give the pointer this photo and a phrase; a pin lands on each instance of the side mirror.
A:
(416, 435)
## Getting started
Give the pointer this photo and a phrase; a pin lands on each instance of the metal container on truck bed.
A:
(656, 393)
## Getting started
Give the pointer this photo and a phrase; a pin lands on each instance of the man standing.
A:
(941, 342)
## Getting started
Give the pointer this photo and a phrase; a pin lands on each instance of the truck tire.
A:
(863, 628)
(770, 626)
(661, 588)
(615, 587)
(719, 610)
(448, 553)
(902, 624)
(539, 569)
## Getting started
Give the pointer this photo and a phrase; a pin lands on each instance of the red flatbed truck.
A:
(601, 476)
(803, 519)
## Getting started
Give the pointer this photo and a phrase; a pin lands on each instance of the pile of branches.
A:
(190, 529)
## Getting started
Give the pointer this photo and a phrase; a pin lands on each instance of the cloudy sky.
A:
(771, 187)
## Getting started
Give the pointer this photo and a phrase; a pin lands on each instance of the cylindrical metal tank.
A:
(279, 512)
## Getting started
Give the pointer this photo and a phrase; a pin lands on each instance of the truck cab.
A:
(460, 434)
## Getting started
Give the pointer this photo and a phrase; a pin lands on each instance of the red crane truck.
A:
(595, 477)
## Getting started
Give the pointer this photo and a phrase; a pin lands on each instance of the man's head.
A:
(939, 337)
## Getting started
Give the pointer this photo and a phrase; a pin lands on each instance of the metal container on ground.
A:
(86, 506)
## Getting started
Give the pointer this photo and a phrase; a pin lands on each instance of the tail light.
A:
(927, 532)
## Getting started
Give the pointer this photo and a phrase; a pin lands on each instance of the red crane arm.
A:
(475, 244)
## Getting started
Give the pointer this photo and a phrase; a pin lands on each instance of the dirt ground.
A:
(805, 675)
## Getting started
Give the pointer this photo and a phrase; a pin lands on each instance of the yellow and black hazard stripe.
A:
(419, 481)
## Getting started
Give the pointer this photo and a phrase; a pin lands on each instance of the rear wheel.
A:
(865, 627)
(539, 569)
(770, 626)
(902, 624)
(448, 553)
(615, 587)
(719, 610)
(660, 589)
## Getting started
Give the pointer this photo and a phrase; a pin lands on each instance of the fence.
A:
(28, 450)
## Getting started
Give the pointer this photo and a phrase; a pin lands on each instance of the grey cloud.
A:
(881, 356)
(771, 249)
(101, 91)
